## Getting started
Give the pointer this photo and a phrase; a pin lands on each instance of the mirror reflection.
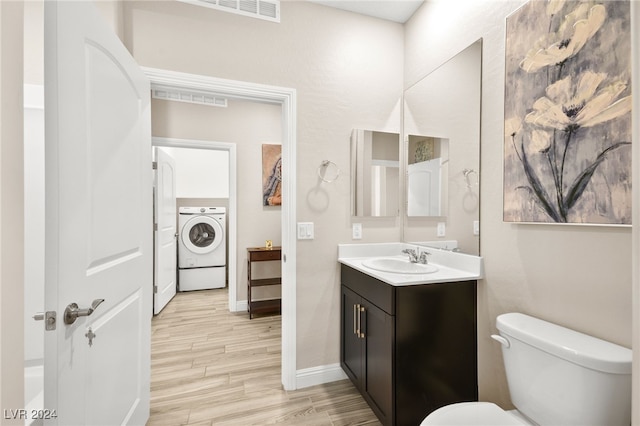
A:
(442, 144)
(375, 173)
(427, 176)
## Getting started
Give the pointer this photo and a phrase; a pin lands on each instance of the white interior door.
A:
(98, 221)
(165, 231)
(424, 188)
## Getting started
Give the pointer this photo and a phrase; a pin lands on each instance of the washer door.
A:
(201, 234)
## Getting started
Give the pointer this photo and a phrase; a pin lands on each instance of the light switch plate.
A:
(356, 231)
(476, 227)
(305, 230)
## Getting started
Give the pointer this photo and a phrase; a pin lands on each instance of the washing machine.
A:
(202, 256)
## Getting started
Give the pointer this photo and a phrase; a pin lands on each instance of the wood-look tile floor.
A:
(210, 366)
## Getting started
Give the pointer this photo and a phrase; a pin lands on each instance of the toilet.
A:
(556, 376)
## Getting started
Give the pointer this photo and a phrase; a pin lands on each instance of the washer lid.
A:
(201, 234)
(471, 413)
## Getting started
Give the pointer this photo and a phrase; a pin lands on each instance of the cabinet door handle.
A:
(358, 320)
(361, 335)
(355, 319)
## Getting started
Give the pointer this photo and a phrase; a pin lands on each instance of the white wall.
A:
(576, 276)
(200, 173)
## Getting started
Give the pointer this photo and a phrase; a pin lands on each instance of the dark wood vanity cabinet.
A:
(409, 349)
(367, 351)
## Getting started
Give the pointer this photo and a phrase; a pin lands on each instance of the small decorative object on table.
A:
(268, 244)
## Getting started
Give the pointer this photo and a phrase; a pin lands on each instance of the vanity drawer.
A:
(375, 291)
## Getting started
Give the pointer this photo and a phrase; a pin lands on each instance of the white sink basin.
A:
(398, 266)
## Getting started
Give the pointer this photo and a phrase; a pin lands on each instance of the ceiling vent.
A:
(268, 10)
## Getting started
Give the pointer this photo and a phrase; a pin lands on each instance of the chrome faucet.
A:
(423, 257)
(413, 256)
(417, 257)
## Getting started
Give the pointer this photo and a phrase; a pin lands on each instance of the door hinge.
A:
(154, 165)
(155, 226)
(155, 289)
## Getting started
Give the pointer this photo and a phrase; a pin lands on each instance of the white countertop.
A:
(452, 266)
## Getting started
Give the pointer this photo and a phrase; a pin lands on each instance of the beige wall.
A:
(11, 212)
(347, 71)
(576, 276)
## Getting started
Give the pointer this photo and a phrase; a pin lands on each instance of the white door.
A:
(98, 221)
(165, 231)
(424, 188)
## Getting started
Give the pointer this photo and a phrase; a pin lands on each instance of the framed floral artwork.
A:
(567, 149)
(271, 175)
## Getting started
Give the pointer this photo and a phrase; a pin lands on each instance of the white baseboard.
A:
(319, 375)
(308, 376)
(241, 306)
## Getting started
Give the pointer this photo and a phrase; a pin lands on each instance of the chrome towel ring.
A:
(322, 171)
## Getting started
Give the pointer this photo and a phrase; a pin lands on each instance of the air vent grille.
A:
(185, 96)
(262, 9)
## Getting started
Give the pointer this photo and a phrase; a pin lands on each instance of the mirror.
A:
(442, 146)
(427, 176)
(375, 173)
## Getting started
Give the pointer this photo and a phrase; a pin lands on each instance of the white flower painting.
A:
(568, 113)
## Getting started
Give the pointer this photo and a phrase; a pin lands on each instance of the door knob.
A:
(72, 312)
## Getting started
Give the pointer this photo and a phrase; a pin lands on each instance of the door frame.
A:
(231, 149)
(286, 98)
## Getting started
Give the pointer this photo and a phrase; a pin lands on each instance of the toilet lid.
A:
(471, 413)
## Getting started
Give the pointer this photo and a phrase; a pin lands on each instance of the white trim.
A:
(233, 193)
(319, 375)
(241, 306)
(285, 97)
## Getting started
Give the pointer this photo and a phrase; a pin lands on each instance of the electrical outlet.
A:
(356, 231)
(441, 229)
(476, 227)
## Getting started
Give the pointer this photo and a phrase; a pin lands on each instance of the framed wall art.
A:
(567, 147)
(271, 175)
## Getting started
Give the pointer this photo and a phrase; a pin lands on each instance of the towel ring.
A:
(325, 164)
(466, 173)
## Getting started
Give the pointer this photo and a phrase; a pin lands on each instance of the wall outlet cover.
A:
(356, 231)
(441, 229)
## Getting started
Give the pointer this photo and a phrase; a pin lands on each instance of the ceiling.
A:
(390, 10)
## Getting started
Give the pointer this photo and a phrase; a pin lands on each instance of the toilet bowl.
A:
(473, 413)
(556, 376)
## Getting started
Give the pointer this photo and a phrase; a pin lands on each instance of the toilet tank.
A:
(558, 376)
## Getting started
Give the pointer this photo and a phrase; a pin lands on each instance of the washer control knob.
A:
(202, 210)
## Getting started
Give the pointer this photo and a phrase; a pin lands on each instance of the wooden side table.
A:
(262, 254)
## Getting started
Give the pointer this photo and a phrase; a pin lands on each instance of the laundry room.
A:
(217, 148)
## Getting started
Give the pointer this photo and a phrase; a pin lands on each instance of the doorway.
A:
(286, 98)
(231, 151)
